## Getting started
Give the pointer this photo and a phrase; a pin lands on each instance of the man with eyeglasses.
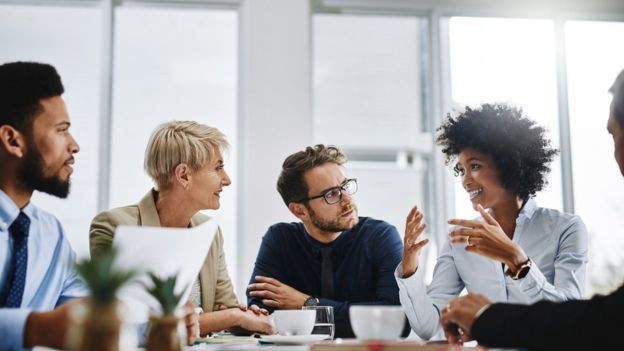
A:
(332, 257)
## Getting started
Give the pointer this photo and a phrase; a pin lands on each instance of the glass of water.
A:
(324, 323)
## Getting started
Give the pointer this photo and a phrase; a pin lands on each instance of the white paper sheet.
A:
(164, 252)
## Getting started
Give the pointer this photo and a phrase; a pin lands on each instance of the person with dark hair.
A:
(36, 153)
(37, 275)
(332, 257)
(592, 324)
(516, 251)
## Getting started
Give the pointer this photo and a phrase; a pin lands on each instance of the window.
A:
(172, 64)
(48, 34)
(598, 193)
(368, 100)
(513, 61)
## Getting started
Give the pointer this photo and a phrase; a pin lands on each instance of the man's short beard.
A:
(328, 226)
(31, 173)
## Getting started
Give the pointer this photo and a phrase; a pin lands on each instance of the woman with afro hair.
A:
(513, 252)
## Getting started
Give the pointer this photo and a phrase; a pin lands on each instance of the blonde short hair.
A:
(177, 142)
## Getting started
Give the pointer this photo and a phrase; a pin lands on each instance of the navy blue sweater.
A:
(364, 260)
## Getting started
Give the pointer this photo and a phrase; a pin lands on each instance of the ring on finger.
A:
(468, 241)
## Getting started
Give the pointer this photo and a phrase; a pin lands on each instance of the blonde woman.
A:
(184, 160)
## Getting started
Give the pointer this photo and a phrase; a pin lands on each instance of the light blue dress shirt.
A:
(556, 242)
(50, 278)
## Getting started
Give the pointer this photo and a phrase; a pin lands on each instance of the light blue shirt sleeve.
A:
(12, 323)
(570, 262)
(421, 304)
(73, 285)
(556, 242)
(51, 279)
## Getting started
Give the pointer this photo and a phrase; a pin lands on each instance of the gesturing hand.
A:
(276, 294)
(458, 316)
(412, 241)
(487, 239)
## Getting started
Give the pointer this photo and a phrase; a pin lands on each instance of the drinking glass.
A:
(324, 323)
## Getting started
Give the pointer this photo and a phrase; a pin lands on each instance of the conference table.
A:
(249, 344)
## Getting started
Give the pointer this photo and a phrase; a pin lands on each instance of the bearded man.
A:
(332, 257)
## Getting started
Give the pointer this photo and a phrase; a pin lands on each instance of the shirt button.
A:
(3, 226)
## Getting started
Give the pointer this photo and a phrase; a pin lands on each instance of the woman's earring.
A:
(185, 186)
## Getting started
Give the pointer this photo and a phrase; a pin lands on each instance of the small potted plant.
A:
(163, 330)
(98, 323)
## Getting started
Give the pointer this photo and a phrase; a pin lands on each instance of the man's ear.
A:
(299, 210)
(12, 141)
(182, 175)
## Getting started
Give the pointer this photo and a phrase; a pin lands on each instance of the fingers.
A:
(459, 315)
(263, 279)
(189, 308)
(262, 286)
(466, 337)
(468, 223)
(412, 234)
(486, 216)
(257, 310)
(265, 328)
(271, 303)
(465, 232)
(264, 325)
(461, 236)
(414, 228)
(451, 332)
(191, 320)
(419, 245)
(469, 240)
(411, 215)
(414, 221)
(264, 294)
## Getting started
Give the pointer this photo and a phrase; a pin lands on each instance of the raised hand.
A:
(413, 242)
(276, 294)
(487, 239)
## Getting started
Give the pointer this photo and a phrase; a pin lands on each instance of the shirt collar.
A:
(342, 242)
(528, 209)
(315, 243)
(9, 211)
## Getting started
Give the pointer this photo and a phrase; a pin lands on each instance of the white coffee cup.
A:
(377, 322)
(294, 322)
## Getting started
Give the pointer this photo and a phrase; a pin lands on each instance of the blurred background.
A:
(374, 77)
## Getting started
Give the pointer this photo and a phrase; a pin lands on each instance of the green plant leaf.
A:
(101, 278)
(163, 291)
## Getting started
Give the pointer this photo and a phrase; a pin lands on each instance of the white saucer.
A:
(293, 339)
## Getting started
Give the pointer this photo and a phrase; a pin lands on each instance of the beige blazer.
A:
(216, 287)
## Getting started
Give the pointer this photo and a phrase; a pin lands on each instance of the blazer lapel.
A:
(148, 215)
(207, 274)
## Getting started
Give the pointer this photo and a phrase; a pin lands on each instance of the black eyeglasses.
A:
(334, 195)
